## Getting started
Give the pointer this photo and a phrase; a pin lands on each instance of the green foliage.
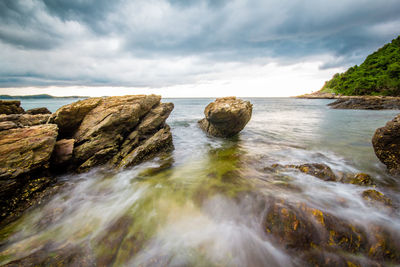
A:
(379, 74)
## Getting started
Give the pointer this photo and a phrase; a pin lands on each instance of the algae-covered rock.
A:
(319, 237)
(11, 107)
(373, 196)
(226, 116)
(386, 143)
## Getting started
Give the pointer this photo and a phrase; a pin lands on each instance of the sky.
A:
(192, 48)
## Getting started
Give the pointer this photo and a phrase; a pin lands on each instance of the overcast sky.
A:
(186, 48)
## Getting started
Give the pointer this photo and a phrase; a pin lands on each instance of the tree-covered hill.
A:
(379, 74)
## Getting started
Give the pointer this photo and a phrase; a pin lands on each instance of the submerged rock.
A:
(386, 143)
(311, 231)
(366, 102)
(35, 111)
(11, 107)
(226, 116)
(373, 196)
(325, 173)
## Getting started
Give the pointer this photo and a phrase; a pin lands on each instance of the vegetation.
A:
(379, 74)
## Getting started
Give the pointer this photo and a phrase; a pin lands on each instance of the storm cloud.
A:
(157, 43)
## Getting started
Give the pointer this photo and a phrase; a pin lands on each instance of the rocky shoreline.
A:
(114, 131)
(357, 102)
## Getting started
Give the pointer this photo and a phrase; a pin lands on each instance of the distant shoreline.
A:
(41, 96)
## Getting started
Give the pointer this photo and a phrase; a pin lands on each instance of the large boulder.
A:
(226, 116)
(386, 143)
(115, 129)
(11, 107)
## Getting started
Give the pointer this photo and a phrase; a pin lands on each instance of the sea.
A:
(195, 206)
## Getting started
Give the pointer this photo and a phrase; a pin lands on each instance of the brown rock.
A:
(69, 117)
(26, 149)
(63, 151)
(386, 143)
(373, 196)
(21, 120)
(35, 111)
(366, 102)
(11, 107)
(226, 116)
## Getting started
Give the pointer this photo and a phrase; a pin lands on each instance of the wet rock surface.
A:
(324, 239)
(366, 102)
(226, 116)
(11, 107)
(386, 143)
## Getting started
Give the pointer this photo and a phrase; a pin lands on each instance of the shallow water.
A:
(203, 204)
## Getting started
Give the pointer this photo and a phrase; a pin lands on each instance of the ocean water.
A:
(196, 205)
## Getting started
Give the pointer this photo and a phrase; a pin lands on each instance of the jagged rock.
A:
(35, 111)
(24, 159)
(21, 120)
(69, 117)
(321, 171)
(226, 116)
(386, 143)
(63, 150)
(11, 107)
(366, 102)
(26, 149)
(106, 130)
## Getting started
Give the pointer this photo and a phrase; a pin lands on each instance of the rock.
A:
(366, 102)
(11, 107)
(320, 171)
(325, 173)
(26, 149)
(69, 117)
(373, 196)
(35, 111)
(307, 231)
(24, 159)
(62, 153)
(112, 129)
(386, 143)
(21, 120)
(226, 116)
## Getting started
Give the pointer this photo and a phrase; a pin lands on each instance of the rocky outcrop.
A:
(21, 120)
(121, 131)
(35, 111)
(226, 116)
(11, 107)
(366, 102)
(386, 143)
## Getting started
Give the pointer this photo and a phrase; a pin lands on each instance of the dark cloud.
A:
(72, 38)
